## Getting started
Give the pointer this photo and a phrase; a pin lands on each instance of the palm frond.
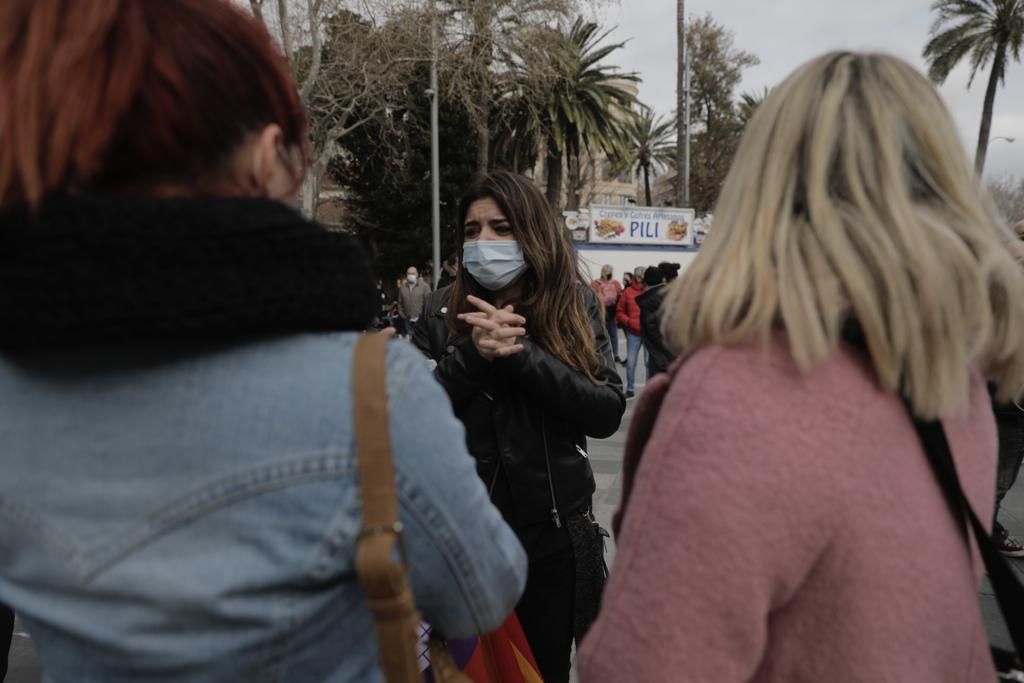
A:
(981, 31)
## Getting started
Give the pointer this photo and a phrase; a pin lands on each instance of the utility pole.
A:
(435, 154)
(682, 110)
(686, 125)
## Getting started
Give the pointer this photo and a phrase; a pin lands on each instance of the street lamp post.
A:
(435, 157)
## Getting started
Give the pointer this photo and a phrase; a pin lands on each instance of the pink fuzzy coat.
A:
(787, 528)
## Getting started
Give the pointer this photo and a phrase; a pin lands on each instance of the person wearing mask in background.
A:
(627, 279)
(520, 347)
(412, 295)
(1010, 422)
(608, 291)
(627, 315)
(784, 443)
(176, 348)
(658, 357)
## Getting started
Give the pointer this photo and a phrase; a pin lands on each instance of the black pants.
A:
(1010, 422)
(6, 635)
(546, 613)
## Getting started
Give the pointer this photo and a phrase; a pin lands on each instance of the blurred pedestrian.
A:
(6, 638)
(608, 290)
(412, 296)
(1010, 424)
(627, 315)
(627, 279)
(180, 490)
(520, 347)
(449, 269)
(784, 522)
(650, 303)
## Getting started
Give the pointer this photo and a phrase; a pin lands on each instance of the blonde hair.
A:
(850, 197)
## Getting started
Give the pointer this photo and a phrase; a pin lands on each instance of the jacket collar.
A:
(79, 269)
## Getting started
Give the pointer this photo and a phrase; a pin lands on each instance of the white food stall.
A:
(625, 237)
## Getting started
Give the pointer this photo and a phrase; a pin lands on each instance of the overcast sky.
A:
(785, 33)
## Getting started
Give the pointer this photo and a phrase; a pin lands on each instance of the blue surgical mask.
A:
(495, 264)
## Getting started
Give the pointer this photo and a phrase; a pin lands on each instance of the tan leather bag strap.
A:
(383, 579)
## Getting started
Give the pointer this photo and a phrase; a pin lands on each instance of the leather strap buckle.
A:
(395, 529)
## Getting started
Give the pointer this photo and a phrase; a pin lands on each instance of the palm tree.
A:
(749, 102)
(650, 145)
(587, 107)
(517, 130)
(987, 30)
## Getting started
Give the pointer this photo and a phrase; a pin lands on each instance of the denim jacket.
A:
(189, 511)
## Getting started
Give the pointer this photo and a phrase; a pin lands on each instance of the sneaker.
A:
(1010, 547)
(630, 394)
(620, 361)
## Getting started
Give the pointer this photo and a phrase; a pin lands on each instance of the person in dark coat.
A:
(1010, 425)
(6, 636)
(658, 355)
(519, 345)
(449, 269)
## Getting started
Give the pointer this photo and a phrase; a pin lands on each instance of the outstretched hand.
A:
(495, 330)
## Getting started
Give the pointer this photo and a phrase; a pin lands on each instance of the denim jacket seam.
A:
(216, 495)
(419, 504)
(430, 518)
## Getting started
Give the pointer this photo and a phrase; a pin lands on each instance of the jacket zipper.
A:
(555, 518)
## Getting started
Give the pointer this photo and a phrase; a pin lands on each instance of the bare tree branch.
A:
(286, 33)
(313, 7)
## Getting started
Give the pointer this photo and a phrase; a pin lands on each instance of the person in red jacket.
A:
(627, 315)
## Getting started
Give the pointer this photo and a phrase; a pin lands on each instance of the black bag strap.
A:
(1008, 590)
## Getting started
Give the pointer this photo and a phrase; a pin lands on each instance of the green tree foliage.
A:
(749, 102)
(983, 31)
(587, 108)
(649, 146)
(389, 183)
(716, 69)
(495, 47)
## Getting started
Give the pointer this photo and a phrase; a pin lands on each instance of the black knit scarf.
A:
(81, 269)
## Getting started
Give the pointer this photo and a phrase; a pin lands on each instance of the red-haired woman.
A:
(522, 351)
(179, 498)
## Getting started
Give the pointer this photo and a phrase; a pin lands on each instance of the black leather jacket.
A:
(650, 327)
(530, 412)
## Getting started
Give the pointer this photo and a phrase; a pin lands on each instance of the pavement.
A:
(22, 664)
(606, 460)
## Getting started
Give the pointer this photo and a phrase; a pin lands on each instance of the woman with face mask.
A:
(521, 348)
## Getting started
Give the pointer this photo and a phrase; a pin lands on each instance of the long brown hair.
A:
(553, 286)
(120, 94)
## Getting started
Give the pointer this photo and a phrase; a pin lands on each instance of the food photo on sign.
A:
(578, 223)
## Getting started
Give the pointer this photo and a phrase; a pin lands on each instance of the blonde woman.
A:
(784, 523)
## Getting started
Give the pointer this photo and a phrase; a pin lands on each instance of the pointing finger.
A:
(481, 304)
